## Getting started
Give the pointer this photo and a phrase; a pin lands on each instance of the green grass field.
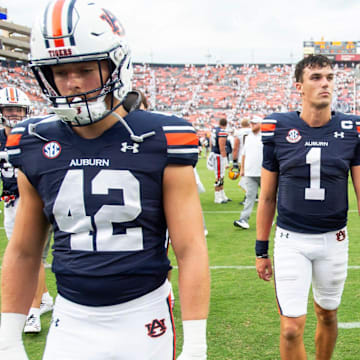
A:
(243, 321)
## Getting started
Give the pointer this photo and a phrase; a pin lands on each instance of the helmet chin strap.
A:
(133, 137)
(96, 111)
(82, 115)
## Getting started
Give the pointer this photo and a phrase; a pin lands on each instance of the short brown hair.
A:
(222, 122)
(311, 61)
(245, 122)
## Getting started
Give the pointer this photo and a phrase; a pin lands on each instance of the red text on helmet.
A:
(60, 52)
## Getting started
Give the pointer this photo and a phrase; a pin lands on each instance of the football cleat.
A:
(45, 307)
(242, 224)
(32, 325)
(234, 173)
(47, 304)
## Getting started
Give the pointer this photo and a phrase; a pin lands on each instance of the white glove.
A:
(194, 347)
(11, 344)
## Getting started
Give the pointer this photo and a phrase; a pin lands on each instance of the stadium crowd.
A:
(204, 93)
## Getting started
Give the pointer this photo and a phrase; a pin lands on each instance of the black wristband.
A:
(261, 249)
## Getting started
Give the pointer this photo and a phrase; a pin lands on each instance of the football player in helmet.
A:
(110, 182)
(15, 106)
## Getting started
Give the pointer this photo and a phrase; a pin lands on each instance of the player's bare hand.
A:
(264, 269)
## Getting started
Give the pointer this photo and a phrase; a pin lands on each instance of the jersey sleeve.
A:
(222, 134)
(182, 142)
(14, 148)
(268, 129)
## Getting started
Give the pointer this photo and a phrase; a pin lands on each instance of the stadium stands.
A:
(204, 93)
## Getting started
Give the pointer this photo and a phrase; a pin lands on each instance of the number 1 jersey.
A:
(313, 165)
(103, 198)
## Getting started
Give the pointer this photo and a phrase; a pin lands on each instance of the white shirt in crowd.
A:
(253, 151)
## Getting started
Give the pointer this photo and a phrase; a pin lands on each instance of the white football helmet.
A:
(76, 31)
(13, 97)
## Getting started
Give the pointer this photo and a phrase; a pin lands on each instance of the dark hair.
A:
(222, 122)
(311, 61)
(144, 100)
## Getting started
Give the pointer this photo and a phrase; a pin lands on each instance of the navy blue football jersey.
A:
(217, 133)
(8, 173)
(104, 200)
(313, 165)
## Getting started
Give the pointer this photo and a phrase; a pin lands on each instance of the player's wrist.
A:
(195, 338)
(261, 249)
(12, 325)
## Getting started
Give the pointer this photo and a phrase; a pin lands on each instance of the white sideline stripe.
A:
(349, 325)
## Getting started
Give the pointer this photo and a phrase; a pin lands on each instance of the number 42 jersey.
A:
(313, 165)
(103, 198)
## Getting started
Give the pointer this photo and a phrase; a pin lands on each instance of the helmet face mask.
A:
(85, 33)
(10, 99)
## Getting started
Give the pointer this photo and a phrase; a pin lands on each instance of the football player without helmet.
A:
(68, 36)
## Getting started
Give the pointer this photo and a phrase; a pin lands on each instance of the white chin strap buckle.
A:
(68, 115)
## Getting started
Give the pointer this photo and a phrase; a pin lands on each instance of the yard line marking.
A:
(349, 325)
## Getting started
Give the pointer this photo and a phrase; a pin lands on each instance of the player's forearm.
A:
(194, 285)
(242, 162)
(264, 218)
(355, 174)
(235, 153)
(18, 282)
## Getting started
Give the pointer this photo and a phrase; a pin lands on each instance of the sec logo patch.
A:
(52, 149)
(293, 136)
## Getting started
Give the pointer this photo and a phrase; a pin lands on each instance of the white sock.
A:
(34, 311)
(223, 196)
(46, 297)
(218, 196)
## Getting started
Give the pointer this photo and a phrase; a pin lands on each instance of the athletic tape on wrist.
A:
(194, 336)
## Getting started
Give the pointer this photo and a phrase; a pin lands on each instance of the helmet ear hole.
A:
(49, 77)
